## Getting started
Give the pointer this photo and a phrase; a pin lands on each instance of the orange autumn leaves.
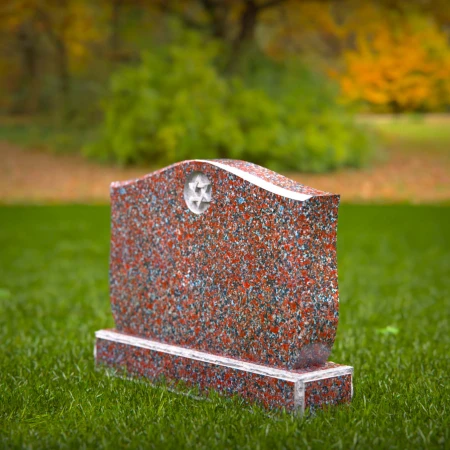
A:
(398, 66)
(386, 56)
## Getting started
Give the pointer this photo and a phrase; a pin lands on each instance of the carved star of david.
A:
(197, 192)
(201, 190)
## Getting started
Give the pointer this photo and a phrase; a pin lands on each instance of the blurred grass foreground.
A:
(275, 82)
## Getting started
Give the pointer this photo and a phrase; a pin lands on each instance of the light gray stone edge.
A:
(299, 380)
(299, 397)
(259, 181)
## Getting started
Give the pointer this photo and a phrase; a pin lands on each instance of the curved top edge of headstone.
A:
(257, 175)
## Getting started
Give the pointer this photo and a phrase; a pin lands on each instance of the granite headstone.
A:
(223, 275)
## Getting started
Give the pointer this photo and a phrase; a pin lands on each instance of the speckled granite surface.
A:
(229, 259)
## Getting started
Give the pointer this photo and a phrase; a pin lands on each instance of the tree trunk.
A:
(62, 61)
(218, 13)
(63, 75)
(28, 47)
(246, 34)
(114, 41)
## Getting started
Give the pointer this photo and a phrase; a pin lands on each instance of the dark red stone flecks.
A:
(268, 391)
(330, 391)
(252, 278)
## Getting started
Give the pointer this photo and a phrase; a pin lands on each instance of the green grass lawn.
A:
(415, 134)
(394, 268)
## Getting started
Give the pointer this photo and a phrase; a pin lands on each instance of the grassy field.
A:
(416, 134)
(394, 268)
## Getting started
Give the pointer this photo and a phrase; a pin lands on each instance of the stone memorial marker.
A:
(223, 275)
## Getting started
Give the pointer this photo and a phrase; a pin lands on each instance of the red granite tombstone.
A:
(223, 275)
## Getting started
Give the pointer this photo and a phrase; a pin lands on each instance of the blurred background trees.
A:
(163, 80)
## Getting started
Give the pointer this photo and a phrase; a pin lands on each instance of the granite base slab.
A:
(297, 391)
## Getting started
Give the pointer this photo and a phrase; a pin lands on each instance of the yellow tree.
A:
(399, 63)
(390, 54)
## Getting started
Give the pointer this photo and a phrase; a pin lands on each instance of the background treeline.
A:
(272, 81)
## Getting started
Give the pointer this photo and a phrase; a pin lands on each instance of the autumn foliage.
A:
(271, 81)
(398, 64)
(386, 55)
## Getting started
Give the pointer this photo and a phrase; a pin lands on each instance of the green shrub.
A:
(175, 105)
